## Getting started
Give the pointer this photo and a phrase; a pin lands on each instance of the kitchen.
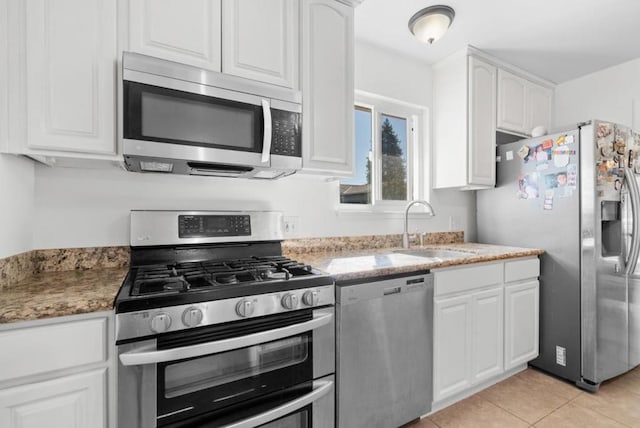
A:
(52, 208)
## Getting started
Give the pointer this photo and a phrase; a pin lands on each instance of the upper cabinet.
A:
(188, 32)
(473, 97)
(260, 40)
(464, 105)
(327, 88)
(61, 77)
(255, 39)
(522, 104)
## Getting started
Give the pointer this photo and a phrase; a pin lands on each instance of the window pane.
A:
(394, 158)
(357, 190)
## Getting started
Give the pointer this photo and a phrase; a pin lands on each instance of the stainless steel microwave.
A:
(184, 120)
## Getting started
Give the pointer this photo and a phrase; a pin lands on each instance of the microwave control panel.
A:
(286, 138)
(211, 226)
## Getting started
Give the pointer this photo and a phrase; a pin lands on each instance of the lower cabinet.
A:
(521, 323)
(485, 323)
(58, 373)
(75, 401)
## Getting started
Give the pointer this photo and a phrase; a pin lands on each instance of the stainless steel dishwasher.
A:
(384, 350)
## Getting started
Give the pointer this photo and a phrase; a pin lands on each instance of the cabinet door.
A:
(538, 107)
(512, 112)
(327, 87)
(487, 335)
(521, 323)
(71, 75)
(482, 123)
(451, 346)
(185, 31)
(260, 40)
(76, 401)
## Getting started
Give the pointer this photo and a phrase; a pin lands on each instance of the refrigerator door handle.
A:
(634, 195)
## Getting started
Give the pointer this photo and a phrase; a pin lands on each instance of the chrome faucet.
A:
(427, 205)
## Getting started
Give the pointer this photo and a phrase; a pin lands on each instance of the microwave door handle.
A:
(268, 128)
(320, 389)
(150, 355)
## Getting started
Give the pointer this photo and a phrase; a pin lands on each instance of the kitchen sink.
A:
(433, 253)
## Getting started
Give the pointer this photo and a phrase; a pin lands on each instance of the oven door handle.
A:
(152, 355)
(320, 389)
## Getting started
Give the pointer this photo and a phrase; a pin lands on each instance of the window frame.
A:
(418, 171)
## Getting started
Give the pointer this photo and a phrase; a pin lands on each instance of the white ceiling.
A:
(558, 40)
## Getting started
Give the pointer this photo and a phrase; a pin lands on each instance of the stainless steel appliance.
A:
(385, 347)
(575, 195)
(184, 120)
(215, 328)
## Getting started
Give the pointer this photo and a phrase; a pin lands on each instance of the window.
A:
(385, 153)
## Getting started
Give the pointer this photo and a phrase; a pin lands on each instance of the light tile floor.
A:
(534, 399)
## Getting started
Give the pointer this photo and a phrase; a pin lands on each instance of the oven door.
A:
(217, 373)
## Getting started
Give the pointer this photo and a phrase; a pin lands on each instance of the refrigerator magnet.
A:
(572, 175)
(560, 141)
(561, 157)
(550, 181)
(547, 144)
(541, 154)
(509, 155)
(523, 153)
(548, 199)
(542, 166)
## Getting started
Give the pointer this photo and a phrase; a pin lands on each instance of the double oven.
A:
(243, 337)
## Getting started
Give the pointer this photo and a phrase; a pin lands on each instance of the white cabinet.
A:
(58, 372)
(255, 39)
(521, 323)
(62, 78)
(481, 124)
(522, 104)
(464, 103)
(327, 87)
(451, 345)
(260, 40)
(485, 324)
(75, 401)
(188, 31)
(486, 334)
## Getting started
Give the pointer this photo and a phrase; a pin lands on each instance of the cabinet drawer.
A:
(43, 349)
(466, 278)
(517, 270)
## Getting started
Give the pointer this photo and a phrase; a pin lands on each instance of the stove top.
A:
(196, 276)
(192, 269)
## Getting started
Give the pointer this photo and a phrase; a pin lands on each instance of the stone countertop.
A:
(54, 294)
(345, 265)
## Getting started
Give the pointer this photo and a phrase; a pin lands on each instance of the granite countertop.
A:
(54, 294)
(344, 265)
(89, 279)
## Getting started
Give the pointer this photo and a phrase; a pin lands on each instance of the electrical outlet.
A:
(454, 223)
(561, 356)
(291, 226)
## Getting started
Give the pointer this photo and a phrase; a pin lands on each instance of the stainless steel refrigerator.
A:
(575, 194)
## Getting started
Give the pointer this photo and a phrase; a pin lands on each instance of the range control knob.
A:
(160, 323)
(245, 308)
(192, 316)
(290, 301)
(311, 298)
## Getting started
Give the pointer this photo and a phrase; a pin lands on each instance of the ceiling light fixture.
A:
(430, 23)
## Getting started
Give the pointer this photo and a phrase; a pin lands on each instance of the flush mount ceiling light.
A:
(430, 23)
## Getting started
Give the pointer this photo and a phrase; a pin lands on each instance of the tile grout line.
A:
(600, 413)
(530, 424)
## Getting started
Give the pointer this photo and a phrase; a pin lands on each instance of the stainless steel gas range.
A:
(215, 328)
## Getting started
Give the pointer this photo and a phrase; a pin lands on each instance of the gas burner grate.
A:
(192, 276)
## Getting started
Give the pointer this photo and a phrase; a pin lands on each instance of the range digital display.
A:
(212, 226)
